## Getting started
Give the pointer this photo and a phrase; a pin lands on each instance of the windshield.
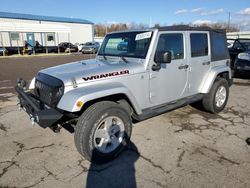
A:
(129, 44)
(242, 43)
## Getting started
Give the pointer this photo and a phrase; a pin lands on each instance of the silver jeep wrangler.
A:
(136, 75)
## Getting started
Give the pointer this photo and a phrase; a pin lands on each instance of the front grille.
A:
(242, 62)
(86, 48)
(48, 89)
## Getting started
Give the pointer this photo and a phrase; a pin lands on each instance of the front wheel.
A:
(103, 131)
(216, 100)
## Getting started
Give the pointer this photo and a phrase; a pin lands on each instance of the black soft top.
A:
(218, 41)
(189, 28)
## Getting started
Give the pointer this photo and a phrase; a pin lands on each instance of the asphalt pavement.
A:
(183, 148)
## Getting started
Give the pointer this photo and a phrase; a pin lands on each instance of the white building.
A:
(241, 34)
(15, 29)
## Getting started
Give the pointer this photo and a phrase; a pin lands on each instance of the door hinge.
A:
(152, 75)
(151, 95)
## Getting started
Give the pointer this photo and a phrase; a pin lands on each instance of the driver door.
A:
(171, 81)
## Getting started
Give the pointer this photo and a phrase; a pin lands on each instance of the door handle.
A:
(183, 67)
(206, 63)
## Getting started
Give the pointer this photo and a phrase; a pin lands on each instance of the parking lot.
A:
(182, 148)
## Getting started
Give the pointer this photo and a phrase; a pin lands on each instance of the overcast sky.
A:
(154, 11)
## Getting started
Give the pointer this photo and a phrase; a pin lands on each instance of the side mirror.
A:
(163, 57)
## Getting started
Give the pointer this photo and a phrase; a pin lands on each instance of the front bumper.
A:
(240, 71)
(38, 112)
(88, 50)
(242, 66)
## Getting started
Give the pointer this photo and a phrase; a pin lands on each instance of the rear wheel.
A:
(103, 131)
(216, 100)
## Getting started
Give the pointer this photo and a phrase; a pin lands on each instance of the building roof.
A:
(239, 33)
(33, 27)
(43, 18)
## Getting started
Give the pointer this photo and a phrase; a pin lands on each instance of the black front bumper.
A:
(40, 113)
(242, 67)
(240, 73)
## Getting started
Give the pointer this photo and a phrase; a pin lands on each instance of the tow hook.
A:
(21, 83)
(56, 128)
(32, 119)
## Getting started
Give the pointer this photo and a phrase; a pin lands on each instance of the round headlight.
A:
(244, 56)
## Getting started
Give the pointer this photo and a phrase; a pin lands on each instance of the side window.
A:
(218, 48)
(199, 44)
(172, 43)
(14, 36)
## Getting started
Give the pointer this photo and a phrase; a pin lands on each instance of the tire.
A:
(214, 104)
(248, 141)
(94, 121)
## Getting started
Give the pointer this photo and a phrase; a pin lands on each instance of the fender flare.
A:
(210, 78)
(88, 93)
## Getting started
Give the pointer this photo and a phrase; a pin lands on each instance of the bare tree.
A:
(102, 29)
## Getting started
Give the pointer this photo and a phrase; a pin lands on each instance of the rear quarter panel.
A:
(217, 67)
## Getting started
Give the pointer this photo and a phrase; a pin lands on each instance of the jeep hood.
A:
(91, 70)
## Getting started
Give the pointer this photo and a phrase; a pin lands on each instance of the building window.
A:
(50, 37)
(199, 44)
(14, 36)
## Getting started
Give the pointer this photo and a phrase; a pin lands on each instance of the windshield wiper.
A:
(103, 55)
(124, 59)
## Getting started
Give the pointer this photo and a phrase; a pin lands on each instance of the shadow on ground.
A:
(117, 173)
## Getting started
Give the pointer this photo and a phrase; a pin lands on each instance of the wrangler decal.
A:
(99, 76)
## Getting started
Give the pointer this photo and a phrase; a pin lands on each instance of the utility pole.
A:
(106, 27)
(229, 20)
(2, 43)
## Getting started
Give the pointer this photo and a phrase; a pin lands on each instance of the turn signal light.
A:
(79, 104)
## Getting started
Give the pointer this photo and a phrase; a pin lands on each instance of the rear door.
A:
(199, 59)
